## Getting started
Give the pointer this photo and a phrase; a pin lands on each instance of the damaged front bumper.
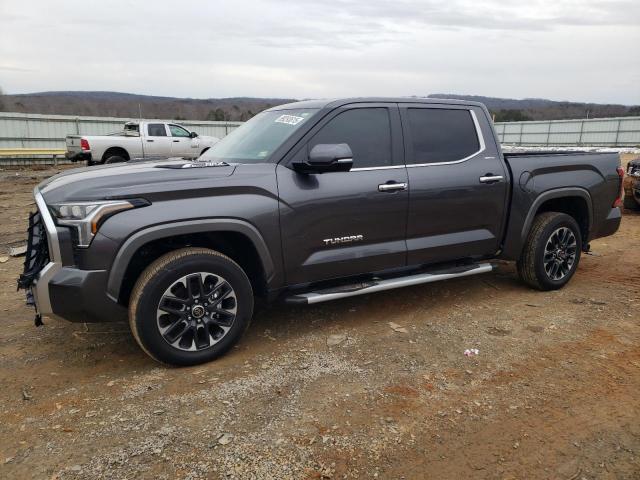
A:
(43, 258)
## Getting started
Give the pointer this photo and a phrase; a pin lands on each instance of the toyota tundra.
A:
(308, 202)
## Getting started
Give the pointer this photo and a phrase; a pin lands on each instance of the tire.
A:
(630, 202)
(115, 159)
(532, 268)
(166, 280)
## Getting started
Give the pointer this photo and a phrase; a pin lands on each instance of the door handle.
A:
(490, 178)
(149, 140)
(391, 187)
(176, 141)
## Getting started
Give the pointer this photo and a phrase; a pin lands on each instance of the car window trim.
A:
(481, 142)
(388, 167)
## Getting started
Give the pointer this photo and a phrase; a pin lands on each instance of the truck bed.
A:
(590, 178)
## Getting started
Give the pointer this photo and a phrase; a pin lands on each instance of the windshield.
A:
(255, 140)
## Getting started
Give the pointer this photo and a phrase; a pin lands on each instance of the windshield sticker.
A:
(289, 119)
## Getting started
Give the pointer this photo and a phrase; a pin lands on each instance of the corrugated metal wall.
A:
(605, 132)
(20, 130)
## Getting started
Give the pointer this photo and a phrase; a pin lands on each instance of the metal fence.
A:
(20, 130)
(27, 130)
(598, 132)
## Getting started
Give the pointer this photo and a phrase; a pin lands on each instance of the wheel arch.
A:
(115, 151)
(237, 239)
(575, 202)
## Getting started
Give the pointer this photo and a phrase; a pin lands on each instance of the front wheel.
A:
(190, 306)
(551, 252)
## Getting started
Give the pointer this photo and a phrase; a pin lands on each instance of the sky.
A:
(577, 50)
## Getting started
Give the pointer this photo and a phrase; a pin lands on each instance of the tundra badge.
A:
(347, 239)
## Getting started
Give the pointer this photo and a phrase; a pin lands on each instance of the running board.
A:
(388, 284)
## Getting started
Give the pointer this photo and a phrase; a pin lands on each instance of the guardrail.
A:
(596, 132)
(32, 156)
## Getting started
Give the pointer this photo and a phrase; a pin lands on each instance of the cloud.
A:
(308, 48)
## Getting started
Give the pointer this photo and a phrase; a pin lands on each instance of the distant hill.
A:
(115, 104)
(507, 109)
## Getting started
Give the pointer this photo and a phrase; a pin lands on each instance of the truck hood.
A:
(148, 179)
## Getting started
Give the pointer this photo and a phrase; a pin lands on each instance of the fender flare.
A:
(549, 195)
(142, 237)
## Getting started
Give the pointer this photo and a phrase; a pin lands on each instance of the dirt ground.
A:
(554, 392)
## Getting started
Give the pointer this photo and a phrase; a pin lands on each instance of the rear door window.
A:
(157, 130)
(441, 135)
(366, 130)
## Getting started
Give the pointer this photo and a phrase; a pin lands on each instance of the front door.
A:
(346, 223)
(457, 183)
(182, 145)
(157, 142)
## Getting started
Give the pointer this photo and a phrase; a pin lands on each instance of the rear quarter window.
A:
(441, 135)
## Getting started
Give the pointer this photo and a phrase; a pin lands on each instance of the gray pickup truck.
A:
(308, 202)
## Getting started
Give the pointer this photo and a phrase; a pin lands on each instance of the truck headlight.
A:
(86, 217)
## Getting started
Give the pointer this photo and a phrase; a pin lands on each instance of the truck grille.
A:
(37, 255)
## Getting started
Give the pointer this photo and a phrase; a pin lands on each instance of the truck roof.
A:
(337, 102)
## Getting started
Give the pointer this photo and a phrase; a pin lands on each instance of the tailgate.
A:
(73, 143)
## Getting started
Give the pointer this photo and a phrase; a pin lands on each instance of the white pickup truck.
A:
(138, 140)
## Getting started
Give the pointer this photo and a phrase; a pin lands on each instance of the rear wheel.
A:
(190, 306)
(552, 251)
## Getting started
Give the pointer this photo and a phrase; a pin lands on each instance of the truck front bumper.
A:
(63, 291)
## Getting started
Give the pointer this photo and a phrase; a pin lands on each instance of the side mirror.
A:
(193, 134)
(324, 158)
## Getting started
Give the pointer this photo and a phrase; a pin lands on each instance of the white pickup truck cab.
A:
(138, 140)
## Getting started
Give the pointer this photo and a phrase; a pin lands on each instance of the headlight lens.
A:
(86, 217)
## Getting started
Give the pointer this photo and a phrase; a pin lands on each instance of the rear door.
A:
(181, 142)
(458, 183)
(157, 141)
(346, 223)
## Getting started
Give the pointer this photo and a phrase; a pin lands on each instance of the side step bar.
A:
(388, 284)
